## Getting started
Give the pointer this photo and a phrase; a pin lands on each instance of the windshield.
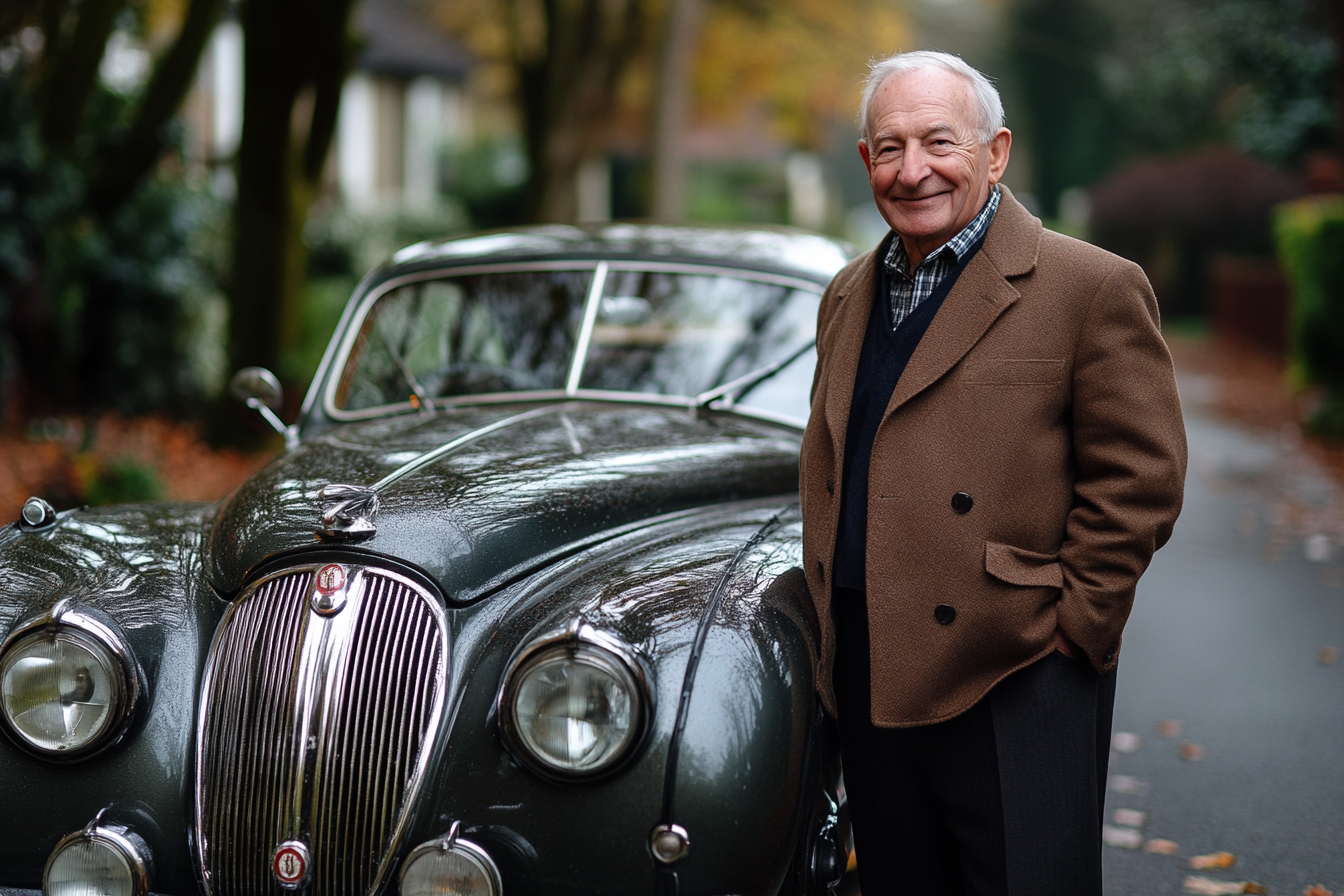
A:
(654, 332)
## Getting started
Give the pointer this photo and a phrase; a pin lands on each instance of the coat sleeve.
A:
(1130, 455)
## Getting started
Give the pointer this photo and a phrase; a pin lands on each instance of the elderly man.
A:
(995, 452)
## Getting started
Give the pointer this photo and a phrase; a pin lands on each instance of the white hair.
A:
(988, 106)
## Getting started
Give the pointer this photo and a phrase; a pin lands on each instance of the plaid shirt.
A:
(908, 290)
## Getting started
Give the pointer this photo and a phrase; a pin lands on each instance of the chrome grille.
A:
(316, 727)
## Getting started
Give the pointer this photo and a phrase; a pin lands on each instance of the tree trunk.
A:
(135, 155)
(296, 55)
(568, 90)
(672, 109)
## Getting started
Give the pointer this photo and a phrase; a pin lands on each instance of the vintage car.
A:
(518, 611)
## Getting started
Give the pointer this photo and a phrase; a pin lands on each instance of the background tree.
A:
(296, 56)
(90, 242)
(652, 69)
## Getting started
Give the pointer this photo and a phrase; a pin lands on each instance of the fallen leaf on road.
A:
(1125, 838)
(1131, 818)
(1317, 890)
(1126, 742)
(1161, 847)
(1126, 784)
(1192, 752)
(1169, 728)
(1317, 548)
(1207, 886)
(1327, 656)
(1213, 860)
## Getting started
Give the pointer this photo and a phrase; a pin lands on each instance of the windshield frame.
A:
(601, 267)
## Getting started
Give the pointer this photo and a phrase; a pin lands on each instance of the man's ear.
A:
(863, 154)
(999, 149)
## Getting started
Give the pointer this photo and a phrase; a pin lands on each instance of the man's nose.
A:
(914, 167)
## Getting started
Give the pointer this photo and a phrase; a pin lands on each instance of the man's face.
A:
(928, 168)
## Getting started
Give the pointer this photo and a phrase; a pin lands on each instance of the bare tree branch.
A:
(136, 154)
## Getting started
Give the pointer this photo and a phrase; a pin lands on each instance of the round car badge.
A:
(290, 864)
(329, 597)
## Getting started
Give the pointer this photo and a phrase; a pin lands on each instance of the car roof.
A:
(778, 250)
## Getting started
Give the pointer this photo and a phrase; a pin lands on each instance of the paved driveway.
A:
(1226, 638)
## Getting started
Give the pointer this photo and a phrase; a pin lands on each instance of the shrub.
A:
(1310, 237)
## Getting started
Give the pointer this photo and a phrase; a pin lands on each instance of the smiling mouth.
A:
(917, 199)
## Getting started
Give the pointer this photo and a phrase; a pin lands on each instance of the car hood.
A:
(489, 493)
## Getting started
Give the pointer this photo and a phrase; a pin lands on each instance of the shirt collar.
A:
(898, 262)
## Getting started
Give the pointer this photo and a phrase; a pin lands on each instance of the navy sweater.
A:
(885, 355)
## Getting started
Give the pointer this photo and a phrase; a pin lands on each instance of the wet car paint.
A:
(503, 502)
(141, 567)
(668, 526)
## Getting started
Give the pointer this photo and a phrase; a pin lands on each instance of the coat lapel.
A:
(979, 296)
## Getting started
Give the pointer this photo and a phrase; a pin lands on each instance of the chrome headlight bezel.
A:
(131, 848)
(452, 843)
(585, 643)
(97, 634)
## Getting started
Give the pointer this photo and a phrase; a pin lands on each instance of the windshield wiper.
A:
(426, 403)
(735, 389)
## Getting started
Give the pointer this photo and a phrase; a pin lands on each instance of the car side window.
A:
(676, 333)
(466, 335)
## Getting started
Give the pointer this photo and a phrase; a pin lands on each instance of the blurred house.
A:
(405, 103)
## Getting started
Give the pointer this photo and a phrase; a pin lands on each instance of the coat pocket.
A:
(1019, 566)
(1016, 372)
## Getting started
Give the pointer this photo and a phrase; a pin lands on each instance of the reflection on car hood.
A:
(498, 505)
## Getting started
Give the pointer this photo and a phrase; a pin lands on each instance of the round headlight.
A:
(449, 867)
(98, 861)
(573, 708)
(66, 686)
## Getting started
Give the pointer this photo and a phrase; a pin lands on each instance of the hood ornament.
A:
(347, 512)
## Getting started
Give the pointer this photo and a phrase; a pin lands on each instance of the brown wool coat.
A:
(1043, 389)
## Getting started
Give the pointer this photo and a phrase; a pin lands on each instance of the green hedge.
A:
(1310, 238)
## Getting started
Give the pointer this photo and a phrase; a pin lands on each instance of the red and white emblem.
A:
(331, 578)
(290, 864)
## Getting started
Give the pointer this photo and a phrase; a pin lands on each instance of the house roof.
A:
(402, 40)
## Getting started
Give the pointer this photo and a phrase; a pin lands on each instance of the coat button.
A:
(830, 486)
(962, 502)
(944, 614)
(1110, 656)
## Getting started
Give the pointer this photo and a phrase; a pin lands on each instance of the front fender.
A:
(140, 565)
(750, 765)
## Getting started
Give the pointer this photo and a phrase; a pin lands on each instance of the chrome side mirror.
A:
(259, 389)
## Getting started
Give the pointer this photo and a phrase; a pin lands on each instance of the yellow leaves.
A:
(1317, 890)
(1169, 728)
(804, 59)
(1212, 861)
(1159, 847)
(1191, 752)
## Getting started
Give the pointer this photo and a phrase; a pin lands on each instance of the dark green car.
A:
(519, 611)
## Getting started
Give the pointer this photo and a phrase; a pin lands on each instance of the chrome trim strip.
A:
(323, 744)
(718, 270)
(449, 447)
(590, 308)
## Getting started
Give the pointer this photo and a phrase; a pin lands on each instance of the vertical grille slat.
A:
(373, 676)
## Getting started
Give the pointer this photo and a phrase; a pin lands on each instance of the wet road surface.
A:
(1227, 639)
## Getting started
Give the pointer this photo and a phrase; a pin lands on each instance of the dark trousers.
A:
(1006, 798)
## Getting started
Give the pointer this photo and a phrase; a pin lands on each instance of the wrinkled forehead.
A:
(933, 95)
